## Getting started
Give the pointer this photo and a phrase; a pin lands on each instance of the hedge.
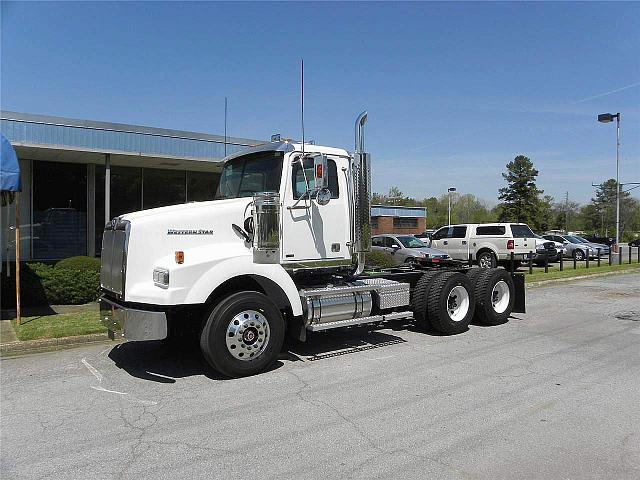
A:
(72, 281)
(80, 263)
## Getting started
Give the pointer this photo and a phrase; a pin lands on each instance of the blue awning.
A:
(9, 168)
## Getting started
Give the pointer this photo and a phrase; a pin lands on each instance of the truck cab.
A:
(280, 249)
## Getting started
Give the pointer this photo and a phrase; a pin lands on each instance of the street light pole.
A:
(450, 190)
(618, 181)
(606, 118)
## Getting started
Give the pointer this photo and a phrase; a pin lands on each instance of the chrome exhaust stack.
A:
(361, 196)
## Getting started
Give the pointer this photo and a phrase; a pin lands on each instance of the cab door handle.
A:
(464, 242)
(445, 242)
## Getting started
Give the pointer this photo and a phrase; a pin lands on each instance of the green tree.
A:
(521, 197)
(602, 212)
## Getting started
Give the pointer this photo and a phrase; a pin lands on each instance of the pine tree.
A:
(521, 197)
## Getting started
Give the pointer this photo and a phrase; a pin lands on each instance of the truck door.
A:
(313, 232)
(453, 241)
(458, 242)
(438, 238)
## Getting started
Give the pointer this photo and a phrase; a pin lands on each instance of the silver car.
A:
(404, 249)
(578, 247)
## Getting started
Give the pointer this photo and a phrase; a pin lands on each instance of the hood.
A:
(174, 211)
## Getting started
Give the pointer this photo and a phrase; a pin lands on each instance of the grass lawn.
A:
(81, 322)
(568, 271)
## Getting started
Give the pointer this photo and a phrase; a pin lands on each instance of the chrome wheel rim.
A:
(485, 261)
(458, 303)
(500, 296)
(247, 335)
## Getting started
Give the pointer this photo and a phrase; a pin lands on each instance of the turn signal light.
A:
(179, 257)
(319, 170)
(510, 244)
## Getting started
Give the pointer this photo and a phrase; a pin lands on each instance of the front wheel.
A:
(578, 255)
(242, 335)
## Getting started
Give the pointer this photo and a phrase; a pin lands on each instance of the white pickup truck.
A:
(489, 244)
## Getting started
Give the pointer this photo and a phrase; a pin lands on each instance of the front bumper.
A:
(133, 324)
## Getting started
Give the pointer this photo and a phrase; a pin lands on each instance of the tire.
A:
(473, 274)
(487, 259)
(410, 261)
(450, 303)
(242, 335)
(578, 254)
(419, 299)
(492, 307)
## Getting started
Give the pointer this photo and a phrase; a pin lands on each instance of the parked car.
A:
(634, 243)
(546, 250)
(578, 247)
(601, 240)
(404, 249)
(488, 244)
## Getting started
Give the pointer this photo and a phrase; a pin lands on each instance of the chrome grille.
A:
(114, 256)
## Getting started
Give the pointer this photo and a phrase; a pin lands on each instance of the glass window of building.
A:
(126, 195)
(201, 186)
(163, 187)
(59, 210)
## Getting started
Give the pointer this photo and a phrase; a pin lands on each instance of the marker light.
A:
(179, 256)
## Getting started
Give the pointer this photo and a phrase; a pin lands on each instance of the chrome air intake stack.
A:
(361, 195)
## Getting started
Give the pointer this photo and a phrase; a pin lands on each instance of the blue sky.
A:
(454, 91)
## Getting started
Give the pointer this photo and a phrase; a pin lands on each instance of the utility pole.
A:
(566, 213)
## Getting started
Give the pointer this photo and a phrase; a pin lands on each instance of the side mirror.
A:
(396, 247)
(320, 172)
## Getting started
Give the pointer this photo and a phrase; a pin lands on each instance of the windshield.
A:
(244, 176)
(582, 239)
(521, 231)
(573, 239)
(411, 242)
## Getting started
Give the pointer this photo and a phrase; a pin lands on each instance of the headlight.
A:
(161, 277)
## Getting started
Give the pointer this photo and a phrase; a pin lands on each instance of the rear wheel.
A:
(450, 303)
(494, 294)
(243, 334)
(419, 299)
(487, 259)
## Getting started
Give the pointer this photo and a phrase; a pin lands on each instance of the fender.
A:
(485, 246)
(243, 265)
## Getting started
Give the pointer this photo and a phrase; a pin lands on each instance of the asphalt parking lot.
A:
(553, 394)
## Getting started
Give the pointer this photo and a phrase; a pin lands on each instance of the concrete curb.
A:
(45, 344)
(542, 283)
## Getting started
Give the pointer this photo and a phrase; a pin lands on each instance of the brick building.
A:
(392, 219)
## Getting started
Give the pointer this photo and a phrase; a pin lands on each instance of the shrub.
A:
(378, 259)
(67, 286)
(80, 263)
(43, 284)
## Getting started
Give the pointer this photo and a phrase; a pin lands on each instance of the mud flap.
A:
(519, 304)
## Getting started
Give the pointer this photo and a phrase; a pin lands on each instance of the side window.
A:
(490, 230)
(390, 242)
(377, 242)
(299, 185)
(440, 234)
(458, 232)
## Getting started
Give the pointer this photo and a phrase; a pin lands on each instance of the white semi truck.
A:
(281, 250)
